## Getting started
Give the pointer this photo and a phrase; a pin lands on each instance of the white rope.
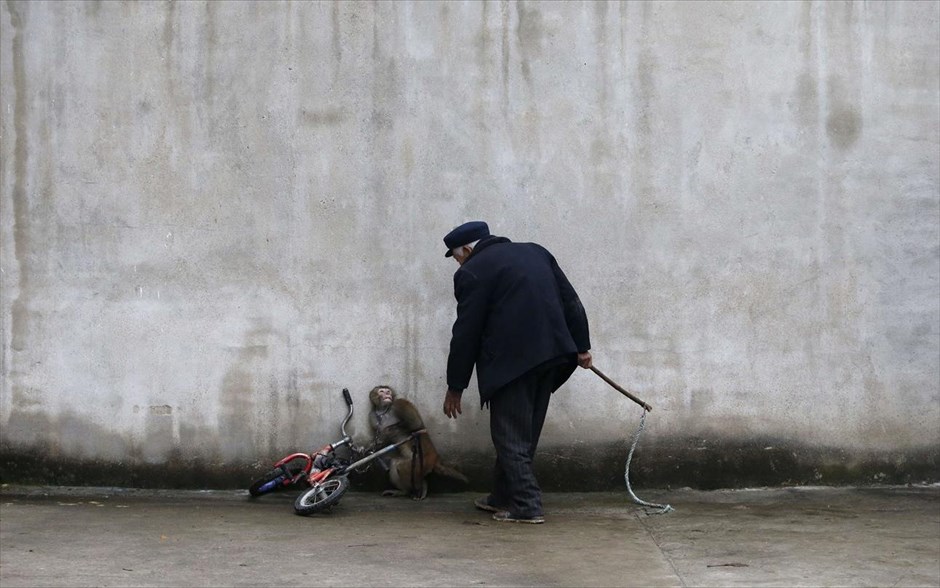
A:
(663, 508)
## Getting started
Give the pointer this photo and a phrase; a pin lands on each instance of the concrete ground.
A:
(783, 537)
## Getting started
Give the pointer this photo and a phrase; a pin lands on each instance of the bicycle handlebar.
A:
(349, 403)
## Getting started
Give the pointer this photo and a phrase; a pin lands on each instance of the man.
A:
(521, 323)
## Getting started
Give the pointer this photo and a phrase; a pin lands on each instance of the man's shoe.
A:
(506, 517)
(484, 504)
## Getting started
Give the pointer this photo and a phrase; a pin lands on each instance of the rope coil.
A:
(663, 508)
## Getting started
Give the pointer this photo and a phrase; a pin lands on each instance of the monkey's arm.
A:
(407, 415)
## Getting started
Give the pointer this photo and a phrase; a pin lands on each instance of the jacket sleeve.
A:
(575, 315)
(468, 329)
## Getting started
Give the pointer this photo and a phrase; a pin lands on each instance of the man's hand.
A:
(452, 403)
(585, 360)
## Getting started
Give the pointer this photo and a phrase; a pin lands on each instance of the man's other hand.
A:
(585, 360)
(452, 403)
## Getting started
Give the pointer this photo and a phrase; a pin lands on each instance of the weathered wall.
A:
(215, 215)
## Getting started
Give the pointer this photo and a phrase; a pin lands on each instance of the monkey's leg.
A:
(400, 476)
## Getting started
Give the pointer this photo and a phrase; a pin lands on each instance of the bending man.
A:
(521, 323)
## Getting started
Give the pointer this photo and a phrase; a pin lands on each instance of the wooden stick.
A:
(617, 387)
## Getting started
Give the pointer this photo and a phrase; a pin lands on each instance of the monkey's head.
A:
(381, 396)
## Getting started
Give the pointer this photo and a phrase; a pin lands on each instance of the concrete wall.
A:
(215, 215)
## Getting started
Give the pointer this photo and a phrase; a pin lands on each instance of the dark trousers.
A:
(517, 413)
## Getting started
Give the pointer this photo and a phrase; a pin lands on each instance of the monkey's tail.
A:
(445, 470)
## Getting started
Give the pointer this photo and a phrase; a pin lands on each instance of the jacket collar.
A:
(484, 243)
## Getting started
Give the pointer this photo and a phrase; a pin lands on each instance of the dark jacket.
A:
(516, 310)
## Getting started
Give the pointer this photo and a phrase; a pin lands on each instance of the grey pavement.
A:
(767, 537)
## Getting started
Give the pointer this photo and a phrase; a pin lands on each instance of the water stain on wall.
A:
(249, 412)
(701, 400)
(529, 33)
(504, 54)
(336, 32)
(19, 323)
(27, 426)
(168, 26)
(27, 422)
(212, 46)
(645, 98)
(600, 12)
(295, 418)
(77, 435)
(65, 436)
(482, 43)
(159, 439)
(843, 125)
(805, 101)
(92, 7)
(843, 119)
(236, 407)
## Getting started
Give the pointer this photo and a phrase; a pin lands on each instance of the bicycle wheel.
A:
(271, 481)
(321, 496)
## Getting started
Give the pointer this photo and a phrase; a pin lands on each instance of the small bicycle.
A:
(324, 473)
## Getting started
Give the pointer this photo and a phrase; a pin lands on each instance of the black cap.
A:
(465, 233)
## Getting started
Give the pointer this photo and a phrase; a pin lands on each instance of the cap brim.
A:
(449, 253)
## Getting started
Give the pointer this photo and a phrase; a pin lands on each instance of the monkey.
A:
(394, 419)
